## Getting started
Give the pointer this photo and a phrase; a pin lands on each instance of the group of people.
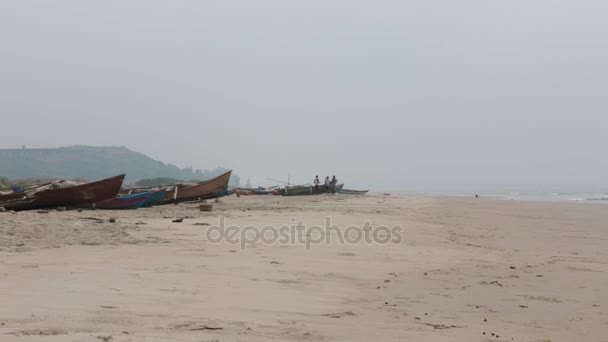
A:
(330, 184)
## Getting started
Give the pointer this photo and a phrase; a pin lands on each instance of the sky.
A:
(409, 96)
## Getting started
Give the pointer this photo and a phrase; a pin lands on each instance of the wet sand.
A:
(465, 270)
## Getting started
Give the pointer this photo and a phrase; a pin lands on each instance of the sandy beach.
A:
(465, 269)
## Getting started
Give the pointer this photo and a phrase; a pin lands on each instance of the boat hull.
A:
(212, 188)
(155, 198)
(353, 192)
(308, 190)
(73, 196)
(303, 190)
(124, 202)
(254, 191)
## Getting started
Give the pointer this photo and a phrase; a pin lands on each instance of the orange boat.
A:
(212, 188)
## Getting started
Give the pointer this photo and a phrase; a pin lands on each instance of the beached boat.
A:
(300, 190)
(133, 201)
(338, 187)
(212, 188)
(304, 190)
(52, 195)
(155, 198)
(9, 196)
(353, 192)
(18, 192)
(254, 191)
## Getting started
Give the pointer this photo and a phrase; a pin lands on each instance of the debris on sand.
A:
(341, 314)
(96, 219)
(40, 332)
(205, 207)
(442, 326)
(207, 327)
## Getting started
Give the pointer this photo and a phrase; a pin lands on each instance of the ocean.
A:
(569, 197)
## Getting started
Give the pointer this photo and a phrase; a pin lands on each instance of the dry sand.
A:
(465, 267)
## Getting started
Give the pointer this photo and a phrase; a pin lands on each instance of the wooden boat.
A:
(11, 196)
(303, 190)
(212, 188)
(133, 201)
(300, 190)
(155, 198)
(19, 193)
(50, 196)
(254, 191)
(338, 188)
(353, 192)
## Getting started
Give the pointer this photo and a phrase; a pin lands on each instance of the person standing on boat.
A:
(332, 184)
(317, 182)
(327, 181)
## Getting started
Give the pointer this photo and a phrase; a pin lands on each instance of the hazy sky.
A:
(411, 95)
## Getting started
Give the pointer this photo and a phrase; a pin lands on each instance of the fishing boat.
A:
(133, 201)
(19, 192)
(212, 188)
(254, 191)
(353, 192)
(300, 190)
(54, 195)
(303, 190)
(338, 188)
(155, 198)
(9, 196)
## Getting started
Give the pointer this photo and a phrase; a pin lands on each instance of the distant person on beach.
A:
(326, 180)
(332, 183)
(317, 182)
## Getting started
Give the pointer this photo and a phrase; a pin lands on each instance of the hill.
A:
(93, 163)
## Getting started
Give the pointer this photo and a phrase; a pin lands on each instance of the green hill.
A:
(93, 163)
